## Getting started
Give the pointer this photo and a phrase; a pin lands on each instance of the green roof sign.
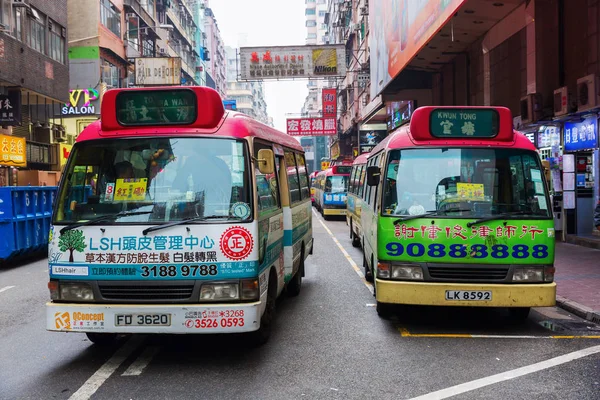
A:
(156, 107)
(464, 123)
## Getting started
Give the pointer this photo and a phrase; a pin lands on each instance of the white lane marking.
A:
(142, 361)
(504, 376)
(345, 253)
(105, 371)
(5, 288)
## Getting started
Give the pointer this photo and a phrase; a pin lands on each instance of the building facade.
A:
(34, 82)
(216, 59)
(249, 96)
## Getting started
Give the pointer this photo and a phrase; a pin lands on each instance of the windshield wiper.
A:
(498, 216)
(429, 214)
(188, 220)
(103, 218)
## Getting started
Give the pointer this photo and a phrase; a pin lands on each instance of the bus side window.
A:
(373, 189)
(351, 182)
(304, 188)
(266, 186)
(293, 180)
(361, 182)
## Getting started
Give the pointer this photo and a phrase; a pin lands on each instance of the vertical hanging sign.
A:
(329, 103)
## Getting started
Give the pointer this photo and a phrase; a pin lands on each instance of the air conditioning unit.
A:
(364, 11)
(531, 108)
(60, 135)
(588, 96)
(564, 102)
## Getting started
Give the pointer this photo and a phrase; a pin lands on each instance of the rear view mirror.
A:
(373, 175)
(266, 164)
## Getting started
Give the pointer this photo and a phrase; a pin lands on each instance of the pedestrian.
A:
(597, 216)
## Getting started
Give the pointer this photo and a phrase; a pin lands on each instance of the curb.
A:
(578, 309)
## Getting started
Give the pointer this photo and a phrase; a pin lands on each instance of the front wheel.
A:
(102, 339)
(261, 336)
(384, 310)
(295, 283)
(519, 314)
(355, 239)
(368, 273)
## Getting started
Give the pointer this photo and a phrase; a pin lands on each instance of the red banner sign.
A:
(311, 126)
(329, 102)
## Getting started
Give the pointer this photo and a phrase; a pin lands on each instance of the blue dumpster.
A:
(25, 218)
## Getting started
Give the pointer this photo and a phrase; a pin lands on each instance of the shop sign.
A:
(65, 150)
(329, 102)
(325, 165)
(398, 112)
(80, 102)
(581, 135)
(548, 136)
(10, 108)
(12, 151)
(157, 71)
(311, 127)
(335, 151)
(292, 62)
(230, 105)
(370, 139)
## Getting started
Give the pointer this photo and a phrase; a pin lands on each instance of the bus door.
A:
(270, 222)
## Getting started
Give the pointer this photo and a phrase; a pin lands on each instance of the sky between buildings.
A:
(267, 23)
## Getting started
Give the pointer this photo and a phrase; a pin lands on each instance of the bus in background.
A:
(331, 190)
(456, 213)
(313, 181)
(355, 189)
(199, 219)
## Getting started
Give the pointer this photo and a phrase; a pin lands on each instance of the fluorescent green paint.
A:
(84, 52)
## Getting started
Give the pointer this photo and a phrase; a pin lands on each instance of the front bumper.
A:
(334, 211)
(434, 294)
(194, 319)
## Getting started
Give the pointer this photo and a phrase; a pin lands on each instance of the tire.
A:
(261, 336)
(355, 240)
(368, 273)
(295, 284)
(384, 310)
(518, 314)
(102, 339)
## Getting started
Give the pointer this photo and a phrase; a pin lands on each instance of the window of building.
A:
(56, 43)
(110, 74)
(310, 1)
(18, 28)
(311, 23)
(322, 13)
(311, 11)
(311, 36)
(148, 48)
(110, 17)
(323, 26)
(5, 6)
(37, 33)
(150, 8)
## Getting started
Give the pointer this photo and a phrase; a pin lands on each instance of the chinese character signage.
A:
(311, 127)
(10, 108)
(131, 189)
(464, 123)
(548, 137)
(12, 151)
(157, 71)
(279, 62)
(335, 150)
(329, 102)
(581, 135)
(80, 102)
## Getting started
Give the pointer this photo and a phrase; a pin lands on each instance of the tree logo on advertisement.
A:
(236, 243)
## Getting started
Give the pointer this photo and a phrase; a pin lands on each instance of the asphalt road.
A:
(327, 343)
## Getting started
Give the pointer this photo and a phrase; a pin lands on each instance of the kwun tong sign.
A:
(80, 102)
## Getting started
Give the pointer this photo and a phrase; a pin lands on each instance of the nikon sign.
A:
(285, 62)
(157, 71)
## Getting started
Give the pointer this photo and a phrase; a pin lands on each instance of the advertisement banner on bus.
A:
(399, 29)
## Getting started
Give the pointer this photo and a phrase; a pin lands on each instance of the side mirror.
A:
(373, 175)
(266, 163)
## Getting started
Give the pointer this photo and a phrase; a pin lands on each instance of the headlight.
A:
(220, 291)
(528, 274)
(407, 272)
(75, 292)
